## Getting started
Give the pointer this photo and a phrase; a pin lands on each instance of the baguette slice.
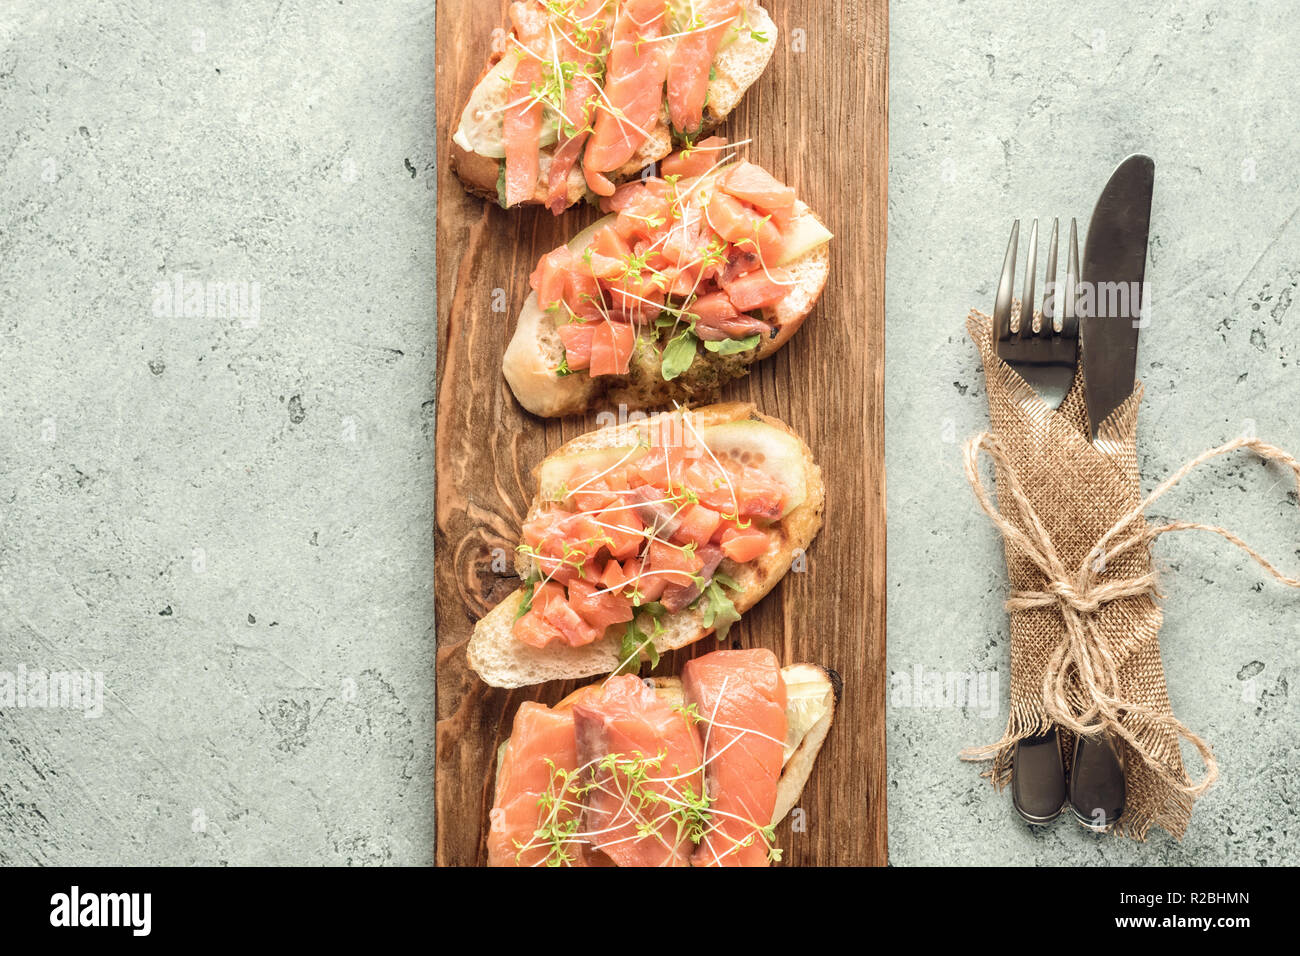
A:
(535, 349)
(501, 660)
(739, 62)
(812, 695)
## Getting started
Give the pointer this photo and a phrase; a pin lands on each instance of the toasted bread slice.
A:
(503, 661)
(535, 350)
(739, 62)
(812, 694)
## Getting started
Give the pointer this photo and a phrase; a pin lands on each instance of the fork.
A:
(1044, 349)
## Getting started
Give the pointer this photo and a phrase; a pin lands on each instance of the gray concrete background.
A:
(1002, 110)
(229, 518)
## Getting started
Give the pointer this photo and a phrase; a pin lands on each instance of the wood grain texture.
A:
(818, 121)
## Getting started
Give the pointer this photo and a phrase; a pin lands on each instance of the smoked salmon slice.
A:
(524, 111)
(644, 806)
(533, 794)
(634, 88)
(692, 59)
(582, 38)
(755, 185)
(740, 699)
(695, 160)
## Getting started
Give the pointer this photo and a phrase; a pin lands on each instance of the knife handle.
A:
(1097, 790)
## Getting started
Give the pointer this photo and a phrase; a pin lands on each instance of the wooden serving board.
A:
(818, 120)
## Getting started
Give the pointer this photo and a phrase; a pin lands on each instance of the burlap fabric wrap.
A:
(1085, 650)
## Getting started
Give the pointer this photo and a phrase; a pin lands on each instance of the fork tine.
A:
(1050, 291)
(1069, 314)
(1026, 323)
(1006, 287)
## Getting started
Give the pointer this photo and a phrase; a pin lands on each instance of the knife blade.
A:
(1114, 267)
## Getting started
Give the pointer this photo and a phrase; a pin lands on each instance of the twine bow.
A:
(1081, 685)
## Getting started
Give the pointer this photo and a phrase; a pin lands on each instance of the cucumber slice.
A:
(482, 124)
(559, 477)
(776, 453)
(805, 234)
(806, 702)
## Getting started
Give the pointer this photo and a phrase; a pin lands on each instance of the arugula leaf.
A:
(719, 612)
(731, 346)
(679, 353)
(501, 187)
(634, 642)
(726, 581)
(526, 604)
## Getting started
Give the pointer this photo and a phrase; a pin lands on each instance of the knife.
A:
(1114, 266)
(1114, 270)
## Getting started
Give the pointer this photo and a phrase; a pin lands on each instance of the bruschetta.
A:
(696, 771)
(583, 94)
(693, 276)
(647, 536)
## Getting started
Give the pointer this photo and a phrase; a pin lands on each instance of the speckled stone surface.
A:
(1003, 110)
(228, 516)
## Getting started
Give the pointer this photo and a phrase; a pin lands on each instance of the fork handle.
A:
(1038, 778)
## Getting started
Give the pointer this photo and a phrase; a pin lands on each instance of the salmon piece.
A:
(564, 618)
(532, 628)
(638, 298)
(755, 185)
(582, 292)
(694, 160)
(533, 631)
(581, 40)
(611, 348)
(740, 224)
(539, 734)
(643, 215)
(632, 192)
(550, 280)
(576, 337)
(744, 493)
(713, 309)
(607, 242)
(615, 575)
(742, 261)
(598, 607)
(697, 524)
(717, 318)
(683, 282)
(677, 597)
(758, 289)
(743, 545)
(524, 115)
(692, 60)
(638, 823)
(759, 496)
(677, 564)
(634, 90)
(740, 698)
(625, 530)
(647, 584)
(595, 497)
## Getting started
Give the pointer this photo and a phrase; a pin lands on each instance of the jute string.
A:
(1096, 655)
